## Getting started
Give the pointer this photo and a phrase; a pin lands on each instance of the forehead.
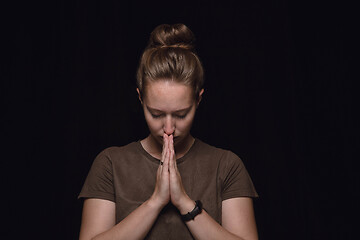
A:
(168, 95)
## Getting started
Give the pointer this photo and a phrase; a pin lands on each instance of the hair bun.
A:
(176, 35)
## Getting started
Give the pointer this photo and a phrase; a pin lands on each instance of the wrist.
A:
(187, 205)
(154, 204)
(191, 215)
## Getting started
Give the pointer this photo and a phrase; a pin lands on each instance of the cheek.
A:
(184, 125)
(154, 125)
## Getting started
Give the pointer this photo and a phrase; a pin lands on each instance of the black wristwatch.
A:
(191, 215)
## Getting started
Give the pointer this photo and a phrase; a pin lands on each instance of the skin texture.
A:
(169, 110)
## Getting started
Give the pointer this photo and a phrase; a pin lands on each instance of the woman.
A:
(169, 185)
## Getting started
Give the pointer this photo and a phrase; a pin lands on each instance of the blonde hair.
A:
(170, 56)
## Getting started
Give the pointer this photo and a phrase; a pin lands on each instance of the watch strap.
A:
(191, 215)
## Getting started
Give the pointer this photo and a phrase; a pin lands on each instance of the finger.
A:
(173, 152)
(165, 166)
(171, 142)
(161, 163)
(166, 142)
(163, 154)
(171, 158)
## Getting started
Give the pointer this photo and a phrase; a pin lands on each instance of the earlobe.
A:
(139, 95)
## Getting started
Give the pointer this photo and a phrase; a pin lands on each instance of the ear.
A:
(200, 96)
(139, 95)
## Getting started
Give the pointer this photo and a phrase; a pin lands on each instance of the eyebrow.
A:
(177, 111)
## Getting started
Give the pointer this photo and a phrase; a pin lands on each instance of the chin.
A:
(160, 139)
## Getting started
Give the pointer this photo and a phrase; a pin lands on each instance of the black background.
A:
(279, 92)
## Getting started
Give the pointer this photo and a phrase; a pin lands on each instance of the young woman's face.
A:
(169, 107)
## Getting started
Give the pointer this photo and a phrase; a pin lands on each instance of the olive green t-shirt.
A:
(126, 175)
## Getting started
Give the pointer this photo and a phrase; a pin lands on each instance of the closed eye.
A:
(181, 116)
(157, 115)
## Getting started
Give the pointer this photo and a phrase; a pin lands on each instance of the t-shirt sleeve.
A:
(99, 182)
(236, 180)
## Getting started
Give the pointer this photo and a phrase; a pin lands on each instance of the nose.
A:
(169, 125)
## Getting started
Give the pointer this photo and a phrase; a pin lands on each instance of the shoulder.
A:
(115, 154)
(116, 151)
(224, 156)
(205, 147)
